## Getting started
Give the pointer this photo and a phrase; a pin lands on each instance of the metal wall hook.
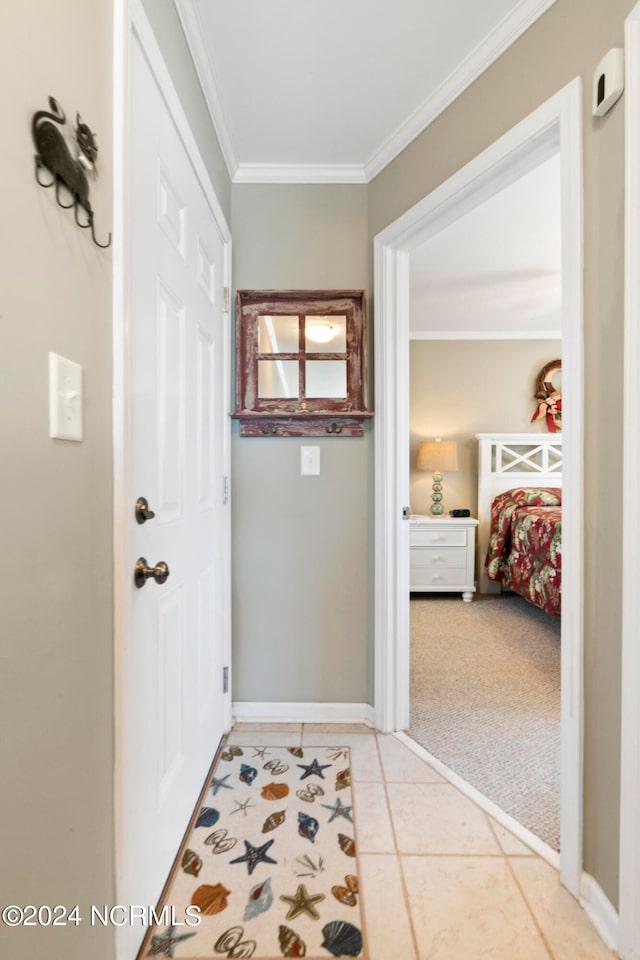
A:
(39, 166)
(334, 428)
(65, 206)
(54, 153)
(84, 226)
(270, 429)
(93, 235)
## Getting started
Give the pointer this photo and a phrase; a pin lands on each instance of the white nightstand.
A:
(442, 554)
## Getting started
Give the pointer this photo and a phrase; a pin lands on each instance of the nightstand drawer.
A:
(434, 578)
(449, 557)
(438, 538)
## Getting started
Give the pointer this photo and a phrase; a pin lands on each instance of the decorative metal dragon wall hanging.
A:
(68, 171)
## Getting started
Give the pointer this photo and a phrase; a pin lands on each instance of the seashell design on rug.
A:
(210, 899)
(342, 939)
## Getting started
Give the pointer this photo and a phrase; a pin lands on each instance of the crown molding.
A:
(300, 173)
(192, 26)
(484, 335)
(512, 26)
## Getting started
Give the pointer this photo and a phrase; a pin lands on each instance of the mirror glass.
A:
(326, 378)
(277, 379)
(278, 335)
(325, 335)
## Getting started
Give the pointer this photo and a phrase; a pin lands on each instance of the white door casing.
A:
(171, 404)
(629, 882)
(554, 126)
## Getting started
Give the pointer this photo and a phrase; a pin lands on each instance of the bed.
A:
(520, 516)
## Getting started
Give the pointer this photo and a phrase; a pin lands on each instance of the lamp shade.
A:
(437, 455)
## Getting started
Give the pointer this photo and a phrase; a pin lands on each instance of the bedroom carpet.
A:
(485, 700)
(269, 865)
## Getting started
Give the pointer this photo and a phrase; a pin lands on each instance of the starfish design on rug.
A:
(242, 806)
(312, 869)
(338, 753)
(313, 768)
(302, 902)
(339, 809)
(255, 855)
(163, 944)
(260, 752)
(216, 784)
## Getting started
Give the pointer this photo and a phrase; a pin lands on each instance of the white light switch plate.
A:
(309, 461)
(65, 398)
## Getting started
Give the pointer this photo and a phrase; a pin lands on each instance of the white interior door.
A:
(175, 642)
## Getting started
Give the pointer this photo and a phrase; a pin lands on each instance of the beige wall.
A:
(56, 693)
(568, 40)
(459, 388)
(302, 546)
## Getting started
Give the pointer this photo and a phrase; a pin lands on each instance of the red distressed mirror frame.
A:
(300, 416)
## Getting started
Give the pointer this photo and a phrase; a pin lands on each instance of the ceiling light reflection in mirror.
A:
(325, 334)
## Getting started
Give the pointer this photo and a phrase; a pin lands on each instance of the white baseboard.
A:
(258, 712)
(600, 910)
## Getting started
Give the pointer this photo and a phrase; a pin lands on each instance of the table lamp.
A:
(437, 455)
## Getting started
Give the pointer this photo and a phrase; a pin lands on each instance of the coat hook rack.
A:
(270, 429)
(54, 154)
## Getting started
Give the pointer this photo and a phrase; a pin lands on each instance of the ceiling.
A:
(331, 91)
(495, 272)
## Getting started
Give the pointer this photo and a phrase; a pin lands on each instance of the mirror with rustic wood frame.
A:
(301, 363)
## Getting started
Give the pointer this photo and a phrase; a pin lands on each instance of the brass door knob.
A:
(143, 513)
(144, 572)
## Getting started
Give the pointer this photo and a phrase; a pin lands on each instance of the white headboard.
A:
(507, 460)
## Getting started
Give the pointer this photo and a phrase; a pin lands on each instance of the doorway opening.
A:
(485, 318)
(555, 127)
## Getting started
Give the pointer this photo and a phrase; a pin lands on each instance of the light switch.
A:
(65, 398)
(309, 461)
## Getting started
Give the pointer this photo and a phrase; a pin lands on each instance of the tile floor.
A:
(439, 878)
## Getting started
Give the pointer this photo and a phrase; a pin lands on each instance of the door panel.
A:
(174, 648)
(171, 211)
(205, 431)
(171, 392)
(206, 691)
(169, 703)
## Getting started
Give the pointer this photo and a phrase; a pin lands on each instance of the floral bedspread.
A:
(525, 546)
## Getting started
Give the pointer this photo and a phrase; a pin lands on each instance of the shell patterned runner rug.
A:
(270, 861)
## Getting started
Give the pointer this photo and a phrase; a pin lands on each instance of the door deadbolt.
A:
(143, 513)
(144, 572)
